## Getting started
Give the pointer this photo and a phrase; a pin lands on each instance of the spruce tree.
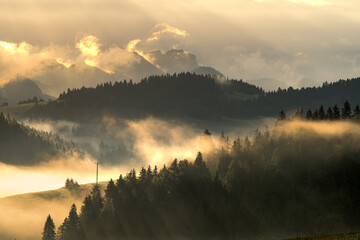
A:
(336, 112)
(49, 229)
(71, 228)
(330, 114)
(282, 115)
(321, 113)
(309, 114)
(346, 110)
(357, 112)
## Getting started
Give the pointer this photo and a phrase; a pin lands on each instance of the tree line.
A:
(332, 113)
(187, 95)
(180, 95)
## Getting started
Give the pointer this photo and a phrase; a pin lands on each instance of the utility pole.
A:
(97, 172)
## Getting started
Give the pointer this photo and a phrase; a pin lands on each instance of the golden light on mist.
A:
(66, 64)
(323, 128)
(157, 31)
(131, 47)
(23, 48)
(165, 28)
(52, 175)
(89, 45)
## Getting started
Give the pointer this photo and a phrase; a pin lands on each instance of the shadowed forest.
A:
(187, 95)
(22, 145)
(302, 178)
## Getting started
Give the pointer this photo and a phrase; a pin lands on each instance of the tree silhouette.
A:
(49, 229)
(336, 112)
(321, 113)
(346, 110)
(309, 114)
(357, 112)
(330, 114)
(71, 228)
(282, 115)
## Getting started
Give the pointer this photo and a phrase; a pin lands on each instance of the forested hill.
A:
(188, 95)
(179, 95)
(328, 94)
(22, 145)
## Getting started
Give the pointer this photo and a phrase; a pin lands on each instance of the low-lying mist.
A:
(118, 144)
(292, 150)
(142, 142)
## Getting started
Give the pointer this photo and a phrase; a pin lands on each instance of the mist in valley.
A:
(287, 149)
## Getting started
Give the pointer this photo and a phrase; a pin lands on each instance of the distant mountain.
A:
(207, 70)
(174, 61)
(21, 89)
(54, 77)
(22, 145)
(178, 60)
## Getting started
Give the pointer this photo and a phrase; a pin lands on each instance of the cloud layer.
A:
(283, 40)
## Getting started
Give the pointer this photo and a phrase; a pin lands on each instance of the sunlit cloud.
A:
(89, 45)
(26, 60)
(131, 47)
(66, 64)
(162, 28)
(23, 48)
(157, 32)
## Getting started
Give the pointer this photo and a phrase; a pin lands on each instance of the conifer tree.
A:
(330, 114)
(336, 112)
(346, 110)
(321, 113)
(49, 229)
(282, 115)
(357, 112)
(309, 114)
(71, 228)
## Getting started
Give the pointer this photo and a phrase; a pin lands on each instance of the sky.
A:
(268, 42)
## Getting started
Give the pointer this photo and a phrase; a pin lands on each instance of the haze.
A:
(268, 42)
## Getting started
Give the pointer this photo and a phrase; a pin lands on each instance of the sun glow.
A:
(89, 45)
(23, 48)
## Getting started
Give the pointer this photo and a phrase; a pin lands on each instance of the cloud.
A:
(321, 128)
(156, 41)
(89, 50)
(208, 29)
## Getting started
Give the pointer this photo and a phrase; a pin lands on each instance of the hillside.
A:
(275, 184)
(289, 99)
(22, 145)
(21, 89)
(24, 213)
(180, 96)
(190, 96)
